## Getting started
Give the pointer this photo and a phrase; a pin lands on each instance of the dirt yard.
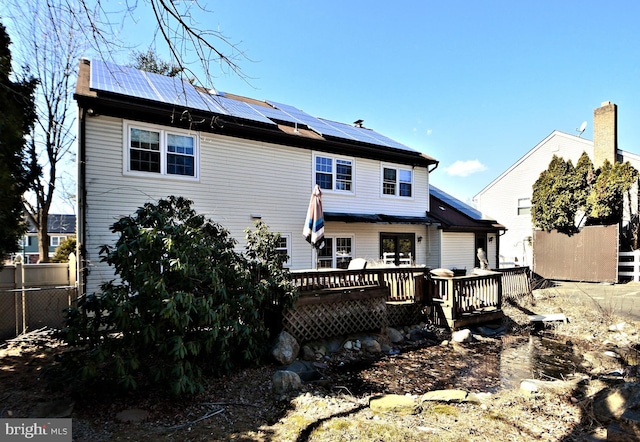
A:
(242, 406)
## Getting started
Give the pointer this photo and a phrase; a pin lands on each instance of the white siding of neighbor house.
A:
(458, 250)
(499, 200)
(492, 248)
(238, 179)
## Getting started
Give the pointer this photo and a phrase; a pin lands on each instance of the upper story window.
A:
(152, 150)
(334, 173)
(397, 182)
(524, 206)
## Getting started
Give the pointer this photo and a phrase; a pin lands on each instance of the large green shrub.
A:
(565, 198)
(184, 300)
(66, 247)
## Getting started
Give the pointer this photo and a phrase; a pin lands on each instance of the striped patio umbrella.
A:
(314, 225)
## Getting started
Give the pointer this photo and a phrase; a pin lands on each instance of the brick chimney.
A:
(605, 134)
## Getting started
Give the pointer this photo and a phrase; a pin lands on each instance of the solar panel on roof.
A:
(312, 123)
(110, 77)
(354, 132)
(241, 110)
(273, 113)
(129, 81)
(456, 203)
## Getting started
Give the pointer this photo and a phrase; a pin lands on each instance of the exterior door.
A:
(481, 243)
(398, 248)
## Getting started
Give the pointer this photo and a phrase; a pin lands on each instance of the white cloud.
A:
(429, 131)
(465, 168)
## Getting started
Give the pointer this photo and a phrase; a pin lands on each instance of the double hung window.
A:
(397, 182)
(283, 247)
(151, 150)
(336, 253)
(334, 173)
(524, 206)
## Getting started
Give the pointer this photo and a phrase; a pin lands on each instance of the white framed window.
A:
(334, 173)
(284, 247)
(156, 150)
(524, 206)
(337, 252)
(54, 241)
(397, 181)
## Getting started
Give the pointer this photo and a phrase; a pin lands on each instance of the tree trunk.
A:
(43, 236)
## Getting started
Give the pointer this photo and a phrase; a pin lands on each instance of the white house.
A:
(508, 197)
(143, 137)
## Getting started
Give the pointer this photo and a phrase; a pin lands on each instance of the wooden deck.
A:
(452, 302)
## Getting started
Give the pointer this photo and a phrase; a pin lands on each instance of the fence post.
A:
(72, 269)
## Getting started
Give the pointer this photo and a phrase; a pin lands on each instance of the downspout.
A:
(81, 192)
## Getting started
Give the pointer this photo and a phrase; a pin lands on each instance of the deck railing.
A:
(516, 282)
(467, 298)
(406, 284)
(455, 301)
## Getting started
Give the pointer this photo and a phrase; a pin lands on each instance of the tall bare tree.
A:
(197, 52)
(50, 44)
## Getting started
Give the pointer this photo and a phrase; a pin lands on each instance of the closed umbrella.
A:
(314, 225)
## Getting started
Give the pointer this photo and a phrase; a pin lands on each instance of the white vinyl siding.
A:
(499, 200)
(458, 250)
(237, 180)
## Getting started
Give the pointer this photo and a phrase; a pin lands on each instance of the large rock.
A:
(284, 381)
(463, 335)
(621, 402)
(371, 346)
(285, 349)
(394, 335)
(394, 403)
(448, 396)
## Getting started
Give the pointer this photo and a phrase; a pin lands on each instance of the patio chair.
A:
(357, 264)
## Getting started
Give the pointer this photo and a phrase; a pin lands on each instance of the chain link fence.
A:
(23, 310)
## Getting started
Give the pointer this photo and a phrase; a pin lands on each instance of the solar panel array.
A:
(109, 77)
(456, 203)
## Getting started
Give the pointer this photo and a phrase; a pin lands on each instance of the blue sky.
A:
(474, 84)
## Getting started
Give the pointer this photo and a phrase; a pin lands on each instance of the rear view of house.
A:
(143, 137)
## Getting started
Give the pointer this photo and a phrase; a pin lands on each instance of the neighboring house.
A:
(60, 228)
(143, 137)
(508, 197)
(462, 231)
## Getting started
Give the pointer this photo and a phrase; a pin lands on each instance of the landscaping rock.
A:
(537, 385)
(132, 415)
(394, 403)
(395, 336)
(371, 346)
(618, 402)
(447, 396)
(54, 409)
(284, 381)
(461, 336)
(285, 349)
